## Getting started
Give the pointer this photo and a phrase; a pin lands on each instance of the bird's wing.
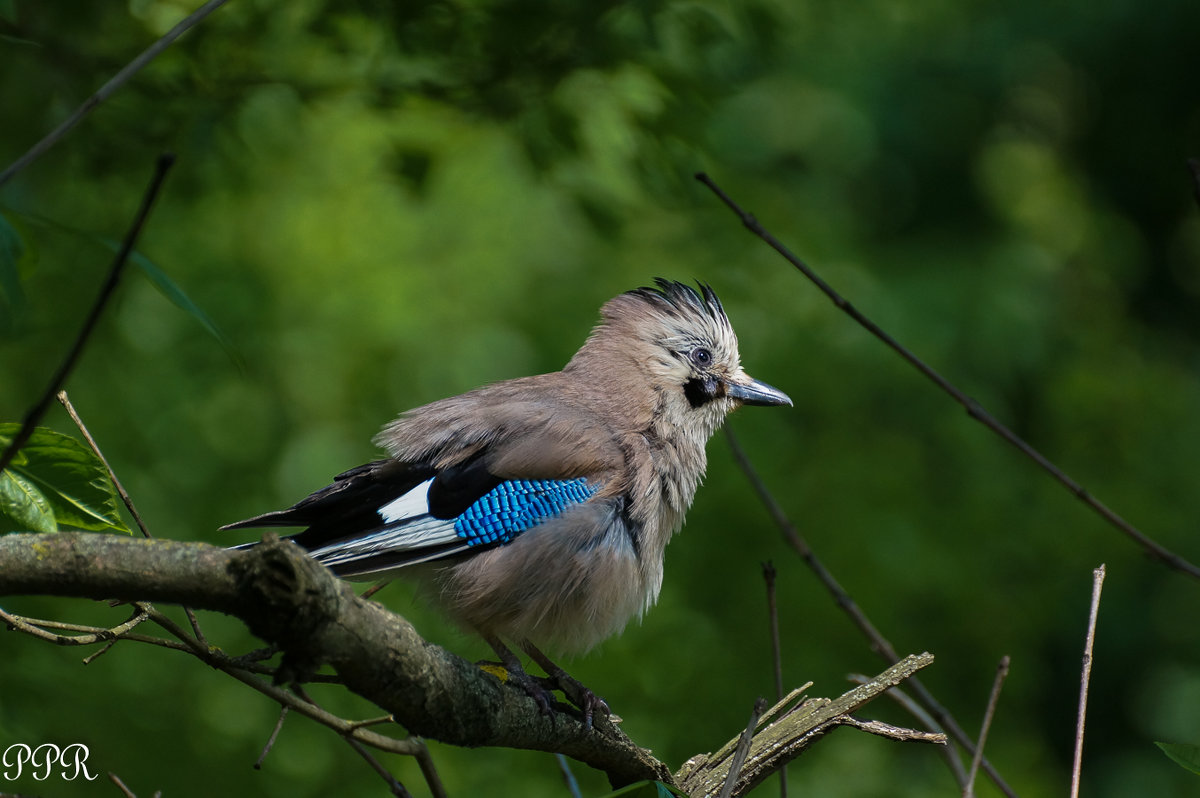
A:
(477, 489)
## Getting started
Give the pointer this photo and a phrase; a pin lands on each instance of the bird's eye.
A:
(700, 357)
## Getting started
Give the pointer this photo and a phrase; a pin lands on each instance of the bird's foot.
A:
(533, 688)
(581, 696)
(511, 669)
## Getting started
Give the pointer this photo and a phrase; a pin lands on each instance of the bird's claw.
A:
(591, 704)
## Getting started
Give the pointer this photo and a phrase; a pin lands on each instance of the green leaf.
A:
(176, 295)
(1185, 755)
(23, 508)
(647, 789)
(70, 481)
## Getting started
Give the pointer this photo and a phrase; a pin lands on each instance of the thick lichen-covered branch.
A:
(291, 601)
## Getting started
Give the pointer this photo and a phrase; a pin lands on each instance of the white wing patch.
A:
(407, 525)
(413, 504)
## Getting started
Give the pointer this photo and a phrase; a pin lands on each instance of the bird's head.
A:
(679, 343)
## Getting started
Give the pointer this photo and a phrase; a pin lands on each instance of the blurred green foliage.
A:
(379, 204)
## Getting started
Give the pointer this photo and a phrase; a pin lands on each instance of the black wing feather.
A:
(347, 507)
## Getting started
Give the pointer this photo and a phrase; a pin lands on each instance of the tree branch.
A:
(117, 81)
(879, 643)
(788, 728)
(288, 599)
(973, 408)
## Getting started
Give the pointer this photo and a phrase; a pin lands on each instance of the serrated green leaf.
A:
(1185, 755)
(23, 508)
(72, 480)
(647, 789)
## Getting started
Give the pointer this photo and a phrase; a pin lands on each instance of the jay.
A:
(537, 510)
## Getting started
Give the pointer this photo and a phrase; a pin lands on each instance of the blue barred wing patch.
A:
(514, 506)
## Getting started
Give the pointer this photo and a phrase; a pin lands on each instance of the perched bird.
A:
(537, 510)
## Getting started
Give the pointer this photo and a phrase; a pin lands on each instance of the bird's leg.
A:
(583, 698)
(512, 664)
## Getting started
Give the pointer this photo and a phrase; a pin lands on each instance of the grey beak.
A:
(756, 393)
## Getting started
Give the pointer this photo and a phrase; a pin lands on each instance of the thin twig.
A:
(769, 574)
(103, 93)
(375, 588)
(90, 658)
(1085, 679)
(891, 732)
(973, 408)
(393, 783)
(65, 401)
(115, 779)
(281, 696)
(921, 714)
(743, 749)
(361, 724)
(429, 770)
(91, 636)
(879, 644)
(283, 713)
(195, 622)
(114, 275)
(997, 683)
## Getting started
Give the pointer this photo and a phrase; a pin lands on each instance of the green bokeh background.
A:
(380, 204)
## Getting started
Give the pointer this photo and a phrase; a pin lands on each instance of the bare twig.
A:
(35, 628)
(743, 749)
(103, 93)
(362, 724)
(897, 733)
(769, 575)
(879, 644)
(375, 588)
(283, 713)
(392, 782)
(428, 770)
(973, 408)
(114, 275)
(195, 622)
(65, 401)
(90, 636)
(115, 779)
(1085, 679)
(997, 683)
(90, 658)
(788, 728)
(921, 714)
(283, 697)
